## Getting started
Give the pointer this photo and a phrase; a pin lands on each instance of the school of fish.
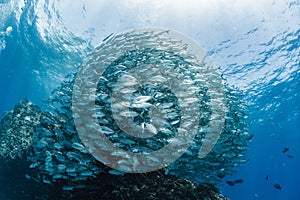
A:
(58, 153)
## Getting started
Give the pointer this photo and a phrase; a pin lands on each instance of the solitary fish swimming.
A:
(290, 156)
(285, 149)
(239, 181)
(277, 186)
(231, 183)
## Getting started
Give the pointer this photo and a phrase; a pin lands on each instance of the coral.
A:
(17, 128)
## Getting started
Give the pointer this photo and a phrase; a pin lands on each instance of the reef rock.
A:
(17, 128)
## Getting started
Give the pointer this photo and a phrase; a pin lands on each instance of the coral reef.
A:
(17, 128)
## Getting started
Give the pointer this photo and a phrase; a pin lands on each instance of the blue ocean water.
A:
(255, 44)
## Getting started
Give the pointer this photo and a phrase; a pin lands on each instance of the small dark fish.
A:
(239, 181)
(231, 183)
(28, 177)
(221, 175)
(285, 149)
(250, 137)
(290, 156)
(267, 177)
(277, 186)
(107, 37)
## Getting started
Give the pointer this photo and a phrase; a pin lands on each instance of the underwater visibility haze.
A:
(251, 90)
